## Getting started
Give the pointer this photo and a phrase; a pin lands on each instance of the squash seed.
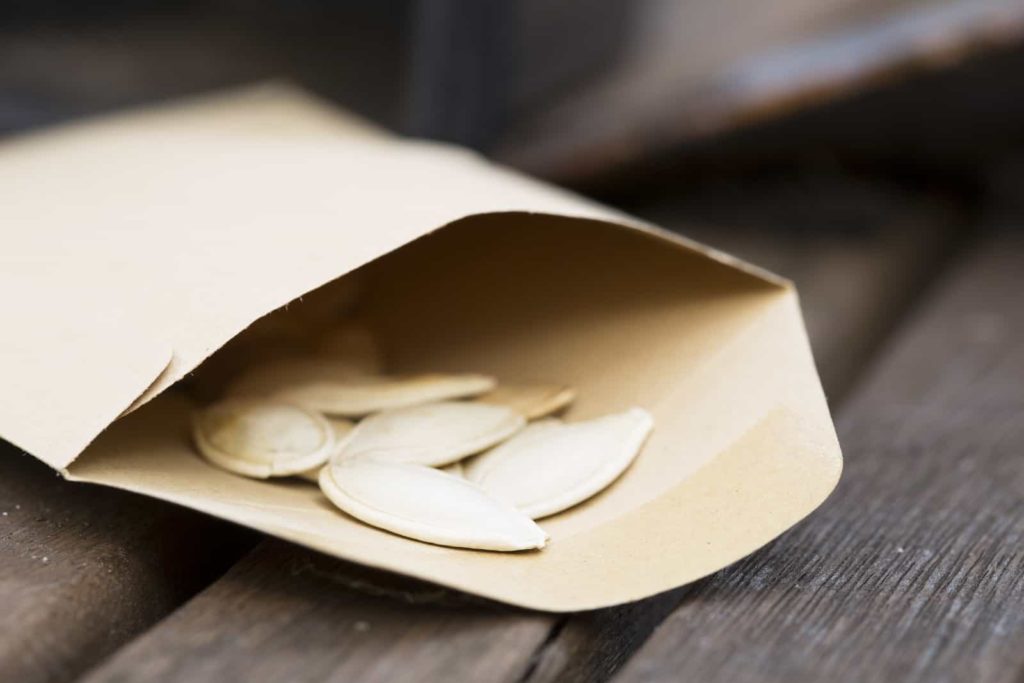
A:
(427, 505)
(336, 387)
(532, 401)
(262, 439)
(432, 434)
(551, 466)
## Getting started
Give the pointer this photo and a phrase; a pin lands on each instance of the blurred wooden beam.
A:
(706, 70)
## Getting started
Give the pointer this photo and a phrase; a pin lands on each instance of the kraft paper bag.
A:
(136, 246)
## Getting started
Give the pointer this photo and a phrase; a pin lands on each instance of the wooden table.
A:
(912, 570)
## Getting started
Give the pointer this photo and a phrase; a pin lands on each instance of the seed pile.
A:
(450, 459)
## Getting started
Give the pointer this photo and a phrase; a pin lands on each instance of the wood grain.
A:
(914, 570)
(82, 569)
(285, 613)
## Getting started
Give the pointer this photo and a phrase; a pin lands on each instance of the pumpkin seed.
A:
(427, 505)
(432, 434)
(551, 466)
(532, 401)
(336, 387)
(263, 439)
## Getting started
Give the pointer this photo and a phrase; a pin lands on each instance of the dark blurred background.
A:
(849, 144)
(586, 92)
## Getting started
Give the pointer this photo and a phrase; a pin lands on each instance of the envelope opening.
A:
(626, 318)
(527, 297)
(546, 298)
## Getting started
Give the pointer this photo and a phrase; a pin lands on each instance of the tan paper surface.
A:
(136, 246)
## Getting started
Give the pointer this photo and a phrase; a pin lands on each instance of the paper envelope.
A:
(136, 246)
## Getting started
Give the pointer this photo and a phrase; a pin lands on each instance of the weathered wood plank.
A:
(287, 613)
(82, 569)
(914, 570)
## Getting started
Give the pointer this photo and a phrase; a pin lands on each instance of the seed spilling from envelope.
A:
(434, 434)
(427, 504)
(552, 466)
(263, 439)
(441, 458)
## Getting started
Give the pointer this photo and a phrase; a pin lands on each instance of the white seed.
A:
(263, 439)
(363, 396)
(428, 505)
(336, 387)
(433, 434)
(342, 431)
(532, 401)
(551, 466)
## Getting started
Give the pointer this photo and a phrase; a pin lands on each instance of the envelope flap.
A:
(71, 363)
(178, 227)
